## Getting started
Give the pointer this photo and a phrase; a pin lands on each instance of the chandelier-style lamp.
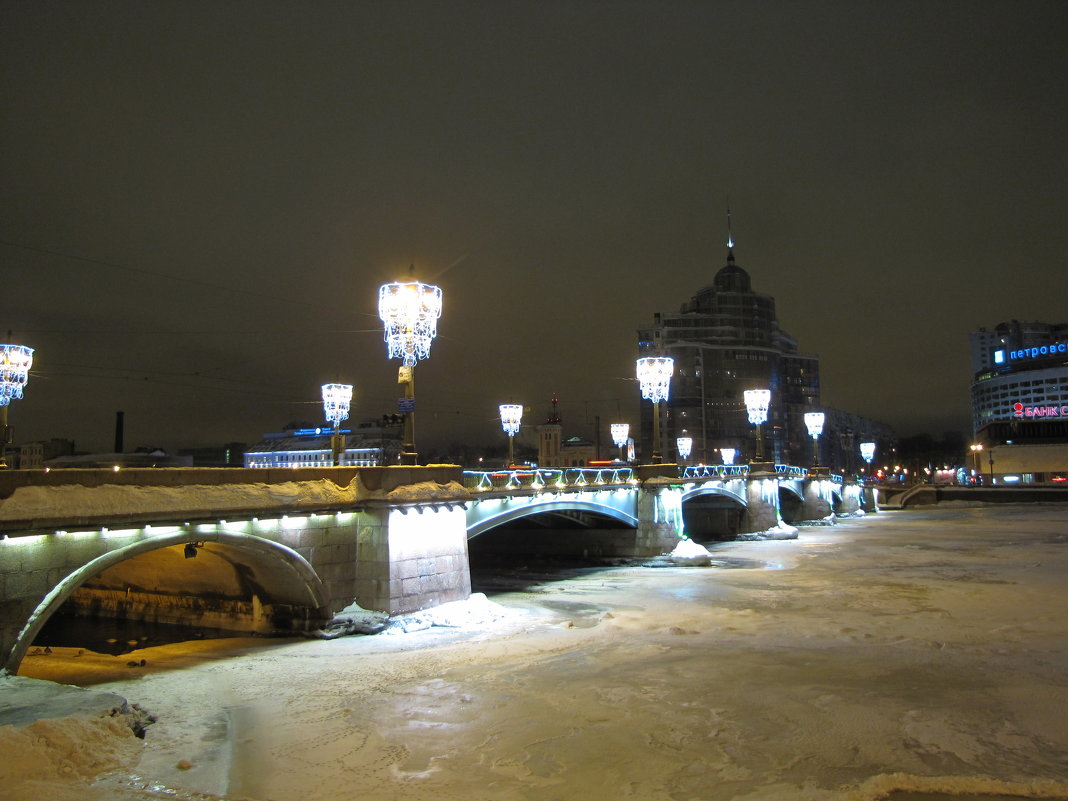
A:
(814, 423)
(336, 401)
(757, 402)
(654, 376)
(410, 312)
(620, 434)
(511, 416)
(684, 446)
(728, 455)
(867, 452)
(15, 363)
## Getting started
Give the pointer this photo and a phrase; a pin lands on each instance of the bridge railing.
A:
(713, 470)
(539, 478)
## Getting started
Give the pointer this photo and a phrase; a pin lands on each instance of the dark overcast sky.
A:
(198, 200)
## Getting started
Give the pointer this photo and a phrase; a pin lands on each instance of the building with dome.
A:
(726, 340)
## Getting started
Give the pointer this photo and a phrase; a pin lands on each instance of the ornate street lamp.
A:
(757, 402)
(511, 415)
(336, 401)
(728, 455)
(867, 451)
(814, 423)
(684, 445)
(620, 434)
(977, 450)
(410, 312)
(654, 376)
(15, 363)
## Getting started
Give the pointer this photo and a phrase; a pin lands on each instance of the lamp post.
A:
(336, 401)
(867, 452)
(410, 312)
(757, 402)
(684, 446)
(654, 376)
(620, 433)
(511, 415)
(15, 363)
(728, 455)
(814, 423)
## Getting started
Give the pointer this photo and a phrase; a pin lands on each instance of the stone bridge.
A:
(283, 550)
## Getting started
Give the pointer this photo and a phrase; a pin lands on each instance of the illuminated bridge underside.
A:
(489, 512)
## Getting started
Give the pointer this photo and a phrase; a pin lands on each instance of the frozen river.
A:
(906, 655)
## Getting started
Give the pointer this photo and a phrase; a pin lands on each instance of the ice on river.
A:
(905, 655)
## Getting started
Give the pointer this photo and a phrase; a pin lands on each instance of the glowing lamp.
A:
(684, 445)
(867, 450)
(511, 415)
(410, 312)
(336, 401)
(814, 422)
(15, 363)
(620, 433)
(728, 455)
(757, 402)
(654, 376)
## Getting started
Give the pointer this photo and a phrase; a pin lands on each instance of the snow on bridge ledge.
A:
(159, 494)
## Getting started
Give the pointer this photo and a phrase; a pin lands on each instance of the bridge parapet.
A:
(548, 478)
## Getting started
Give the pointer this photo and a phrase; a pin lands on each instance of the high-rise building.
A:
(726, 340)
(1019, 375)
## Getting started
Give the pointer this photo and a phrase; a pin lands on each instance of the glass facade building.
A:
(726, 340)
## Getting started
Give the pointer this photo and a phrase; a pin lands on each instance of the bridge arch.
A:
(511, 510)
(704, 489)
(280, 573)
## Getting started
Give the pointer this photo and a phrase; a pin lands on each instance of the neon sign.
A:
(1019, 410)
(1032, 353)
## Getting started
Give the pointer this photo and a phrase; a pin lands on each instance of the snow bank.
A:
(688, 552)
(780, 531)
(477, 610)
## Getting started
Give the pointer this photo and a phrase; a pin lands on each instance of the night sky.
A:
(199, 200)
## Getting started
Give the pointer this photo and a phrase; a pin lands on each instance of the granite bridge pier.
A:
(273, 551)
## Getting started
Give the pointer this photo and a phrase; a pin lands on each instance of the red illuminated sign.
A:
(1019, 410)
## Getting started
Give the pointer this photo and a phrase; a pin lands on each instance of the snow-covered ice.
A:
(919, 652)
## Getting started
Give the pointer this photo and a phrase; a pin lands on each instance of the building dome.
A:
(732, 278)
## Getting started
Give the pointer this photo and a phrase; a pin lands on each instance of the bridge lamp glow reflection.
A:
(814, 422)
(410, 312)
(757, 402)
(654, 377)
